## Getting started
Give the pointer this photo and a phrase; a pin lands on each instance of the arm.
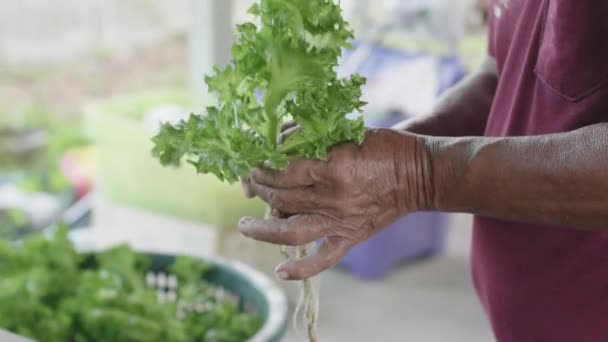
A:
(559, 179)
(461, 111)
(554, 180)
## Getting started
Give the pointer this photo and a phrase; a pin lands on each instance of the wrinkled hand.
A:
(357, 192)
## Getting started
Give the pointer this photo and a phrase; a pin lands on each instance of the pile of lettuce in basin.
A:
(53, 289)
(122, 129)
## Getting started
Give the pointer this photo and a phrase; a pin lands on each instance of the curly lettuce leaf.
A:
(281, 69)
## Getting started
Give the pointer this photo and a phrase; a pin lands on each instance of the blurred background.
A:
(84, 83)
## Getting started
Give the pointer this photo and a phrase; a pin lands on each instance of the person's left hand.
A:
(357, 192)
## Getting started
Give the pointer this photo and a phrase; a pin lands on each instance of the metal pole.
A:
(211, 37)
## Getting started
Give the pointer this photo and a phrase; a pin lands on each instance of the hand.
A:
(288, 128)
(357, 192)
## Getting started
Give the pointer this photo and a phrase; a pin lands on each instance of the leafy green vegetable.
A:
(51, 293)
(283, 68)
(13, 222)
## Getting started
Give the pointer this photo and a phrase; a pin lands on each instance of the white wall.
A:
(39, 31)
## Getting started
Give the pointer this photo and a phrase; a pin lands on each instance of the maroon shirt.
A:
(545, 283)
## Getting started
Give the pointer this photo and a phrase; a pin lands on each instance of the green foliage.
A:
(12, 223)
(49, 292)
(283, 68)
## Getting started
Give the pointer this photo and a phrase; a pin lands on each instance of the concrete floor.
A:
(430, 301)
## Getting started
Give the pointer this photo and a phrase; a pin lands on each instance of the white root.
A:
(308, 301)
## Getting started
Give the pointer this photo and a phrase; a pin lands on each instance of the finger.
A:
(330, 253)
(299, 173)
(287, 133)
(288, 201)
(293, 231)
(246, 184)
(287, 125)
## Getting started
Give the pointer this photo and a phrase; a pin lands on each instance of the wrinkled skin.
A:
(360, 190)
(354, 194)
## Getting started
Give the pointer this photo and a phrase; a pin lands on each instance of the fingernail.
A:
(282, 275)
(245, 221)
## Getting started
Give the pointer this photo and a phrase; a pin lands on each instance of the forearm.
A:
(462, 110)
(559, 179)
